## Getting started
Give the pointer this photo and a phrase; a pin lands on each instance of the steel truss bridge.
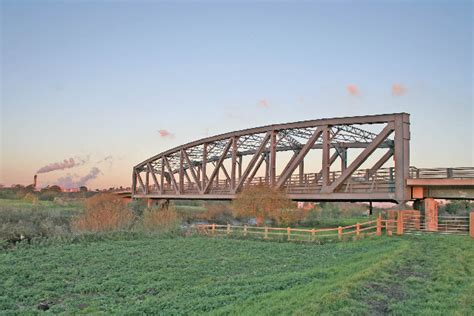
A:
(362, 158)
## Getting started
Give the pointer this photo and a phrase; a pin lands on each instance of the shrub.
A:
(457, 207)
(260, 201)
(137, 207)
(104, 212)
(20, 224)
(31, 198)
(48, 195)
(288, 217)
(219, 213)
(161, 220)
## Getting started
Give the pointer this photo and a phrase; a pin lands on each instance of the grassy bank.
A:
(426, 274)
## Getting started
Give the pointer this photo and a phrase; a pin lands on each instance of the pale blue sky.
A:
(100, 78)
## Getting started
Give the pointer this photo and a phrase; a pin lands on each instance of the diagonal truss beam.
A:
(255, 157)
(145, 191)
(381, 162)
(360, 159)
(173, 180)
(295, 160)
(216, 169)
(153, 176)
(254, 172)
(191, 169)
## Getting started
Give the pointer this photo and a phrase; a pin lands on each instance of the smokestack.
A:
(35, 180)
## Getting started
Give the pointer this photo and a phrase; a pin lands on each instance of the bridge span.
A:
(362, 158)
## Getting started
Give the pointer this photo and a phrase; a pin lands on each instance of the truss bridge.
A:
(362, 158)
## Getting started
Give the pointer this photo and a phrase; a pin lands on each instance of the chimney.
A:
(35, 180)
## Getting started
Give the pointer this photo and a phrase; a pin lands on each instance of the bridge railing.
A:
(441, 173)
(361, 181)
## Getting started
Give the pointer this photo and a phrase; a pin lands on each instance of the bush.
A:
(289, 217)
(261, 202)
(104, 212)
(48, 195)
(217, 213)
(161, 220)
(20, 224)
(8, 193)
(31, 198)
(457, 207)
(137, 206)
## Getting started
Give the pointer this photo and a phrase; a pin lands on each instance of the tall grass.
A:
(104, 212)
(162, 221)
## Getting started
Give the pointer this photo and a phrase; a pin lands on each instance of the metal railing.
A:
(441, 173)
(363, 180)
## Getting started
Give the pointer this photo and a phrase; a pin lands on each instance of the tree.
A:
(83, 189)
(262, 202)
(55, 188)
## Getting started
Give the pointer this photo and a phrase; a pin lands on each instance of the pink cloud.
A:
(398, 89)
(353, 90)
(264, 103)
(164, 133)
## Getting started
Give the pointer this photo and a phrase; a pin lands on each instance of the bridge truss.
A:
(373, 155)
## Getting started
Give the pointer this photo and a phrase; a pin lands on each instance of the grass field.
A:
(400, 275)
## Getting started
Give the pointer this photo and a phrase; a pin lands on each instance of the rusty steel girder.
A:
(198, 170)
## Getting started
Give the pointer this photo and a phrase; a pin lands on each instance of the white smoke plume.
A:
(109, 160)
(71, 182)
(65, 164)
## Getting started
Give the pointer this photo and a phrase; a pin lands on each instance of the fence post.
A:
(266, 233)
(357, 229)
(471, 224)
(213, 229)
(228, 229)
(379, 225)
(399, 223)
(313, 234)
(288, 230)
(388, 229)
(245, 230)
(339, 232)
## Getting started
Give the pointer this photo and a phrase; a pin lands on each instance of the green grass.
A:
(72, 206)
(194, 275)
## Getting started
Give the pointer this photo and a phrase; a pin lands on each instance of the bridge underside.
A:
(444, 188)
(341, 197)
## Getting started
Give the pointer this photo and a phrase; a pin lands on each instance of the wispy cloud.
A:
(73, 181)
(398, 89)
(264, 103)
(108, 159)
(65, 164)
(165, 134)
(353, 90)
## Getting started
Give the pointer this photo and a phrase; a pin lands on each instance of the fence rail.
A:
(416, 223)
(398, 222)
(373, 227)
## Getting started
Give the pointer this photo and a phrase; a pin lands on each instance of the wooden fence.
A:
(373, 227)
(398, 222)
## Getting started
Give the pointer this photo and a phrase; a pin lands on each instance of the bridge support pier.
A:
(430, 211)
